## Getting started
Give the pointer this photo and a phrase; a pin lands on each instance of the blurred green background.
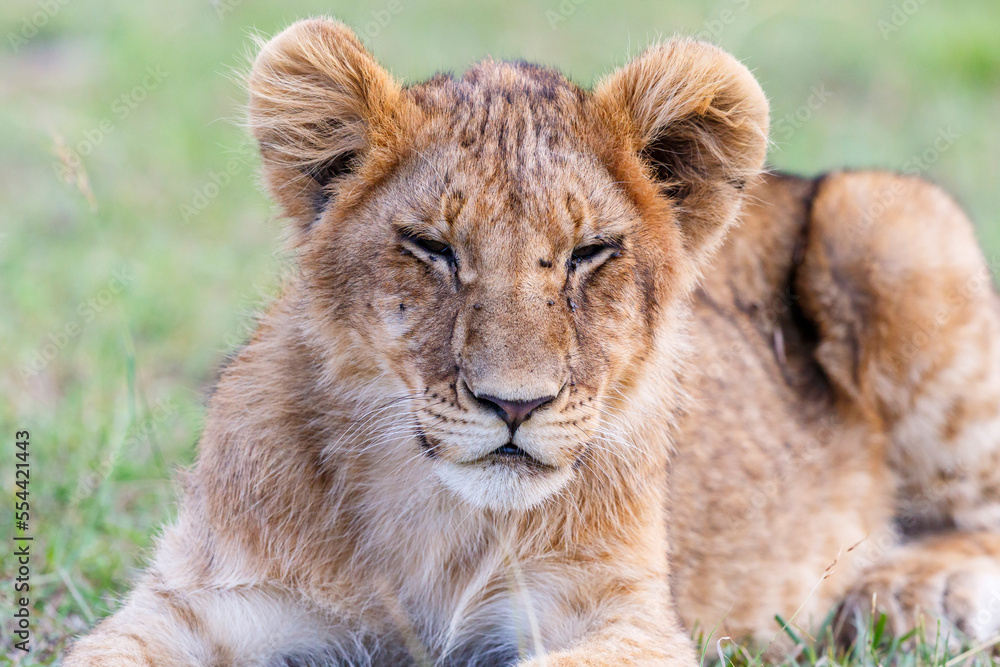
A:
(136, 244)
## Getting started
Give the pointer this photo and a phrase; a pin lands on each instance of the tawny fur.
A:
(738, 422)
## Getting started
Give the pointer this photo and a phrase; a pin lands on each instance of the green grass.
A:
(120, 403)
(872, 646)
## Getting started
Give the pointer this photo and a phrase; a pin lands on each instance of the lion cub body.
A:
(497, 419)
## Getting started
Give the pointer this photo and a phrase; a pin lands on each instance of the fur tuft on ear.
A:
(321, 108)
(698, 121)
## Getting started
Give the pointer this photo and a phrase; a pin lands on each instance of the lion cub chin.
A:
(446, 443)
(500, 485)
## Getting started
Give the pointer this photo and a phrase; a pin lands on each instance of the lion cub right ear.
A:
(322, 110)
(697, 120)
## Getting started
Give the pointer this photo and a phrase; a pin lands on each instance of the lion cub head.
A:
(511, 252)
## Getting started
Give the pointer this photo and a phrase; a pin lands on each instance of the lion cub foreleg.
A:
(177, 617)
(618, 599)
(632, 625)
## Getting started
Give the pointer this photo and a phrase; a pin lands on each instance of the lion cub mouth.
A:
(512, 456)
(510, 450)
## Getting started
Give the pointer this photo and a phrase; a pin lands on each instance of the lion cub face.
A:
(511, 294)
(508, 248)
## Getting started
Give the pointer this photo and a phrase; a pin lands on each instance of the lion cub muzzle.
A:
(513, 413)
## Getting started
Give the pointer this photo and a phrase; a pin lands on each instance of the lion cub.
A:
(449, 440)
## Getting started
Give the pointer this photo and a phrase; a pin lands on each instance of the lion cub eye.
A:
(586, 252)
(436, 247)
(432, 246)
(593, 254)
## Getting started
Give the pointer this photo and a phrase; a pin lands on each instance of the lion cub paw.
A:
(951, 582)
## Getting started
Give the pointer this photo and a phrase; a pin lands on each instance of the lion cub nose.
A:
(514, 413)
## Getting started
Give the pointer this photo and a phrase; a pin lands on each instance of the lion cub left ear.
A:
(697, 120)
(322, 110)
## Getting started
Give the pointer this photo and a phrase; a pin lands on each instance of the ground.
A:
(135, 243)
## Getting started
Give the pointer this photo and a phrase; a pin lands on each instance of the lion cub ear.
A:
(697, 120)
(321, 110)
